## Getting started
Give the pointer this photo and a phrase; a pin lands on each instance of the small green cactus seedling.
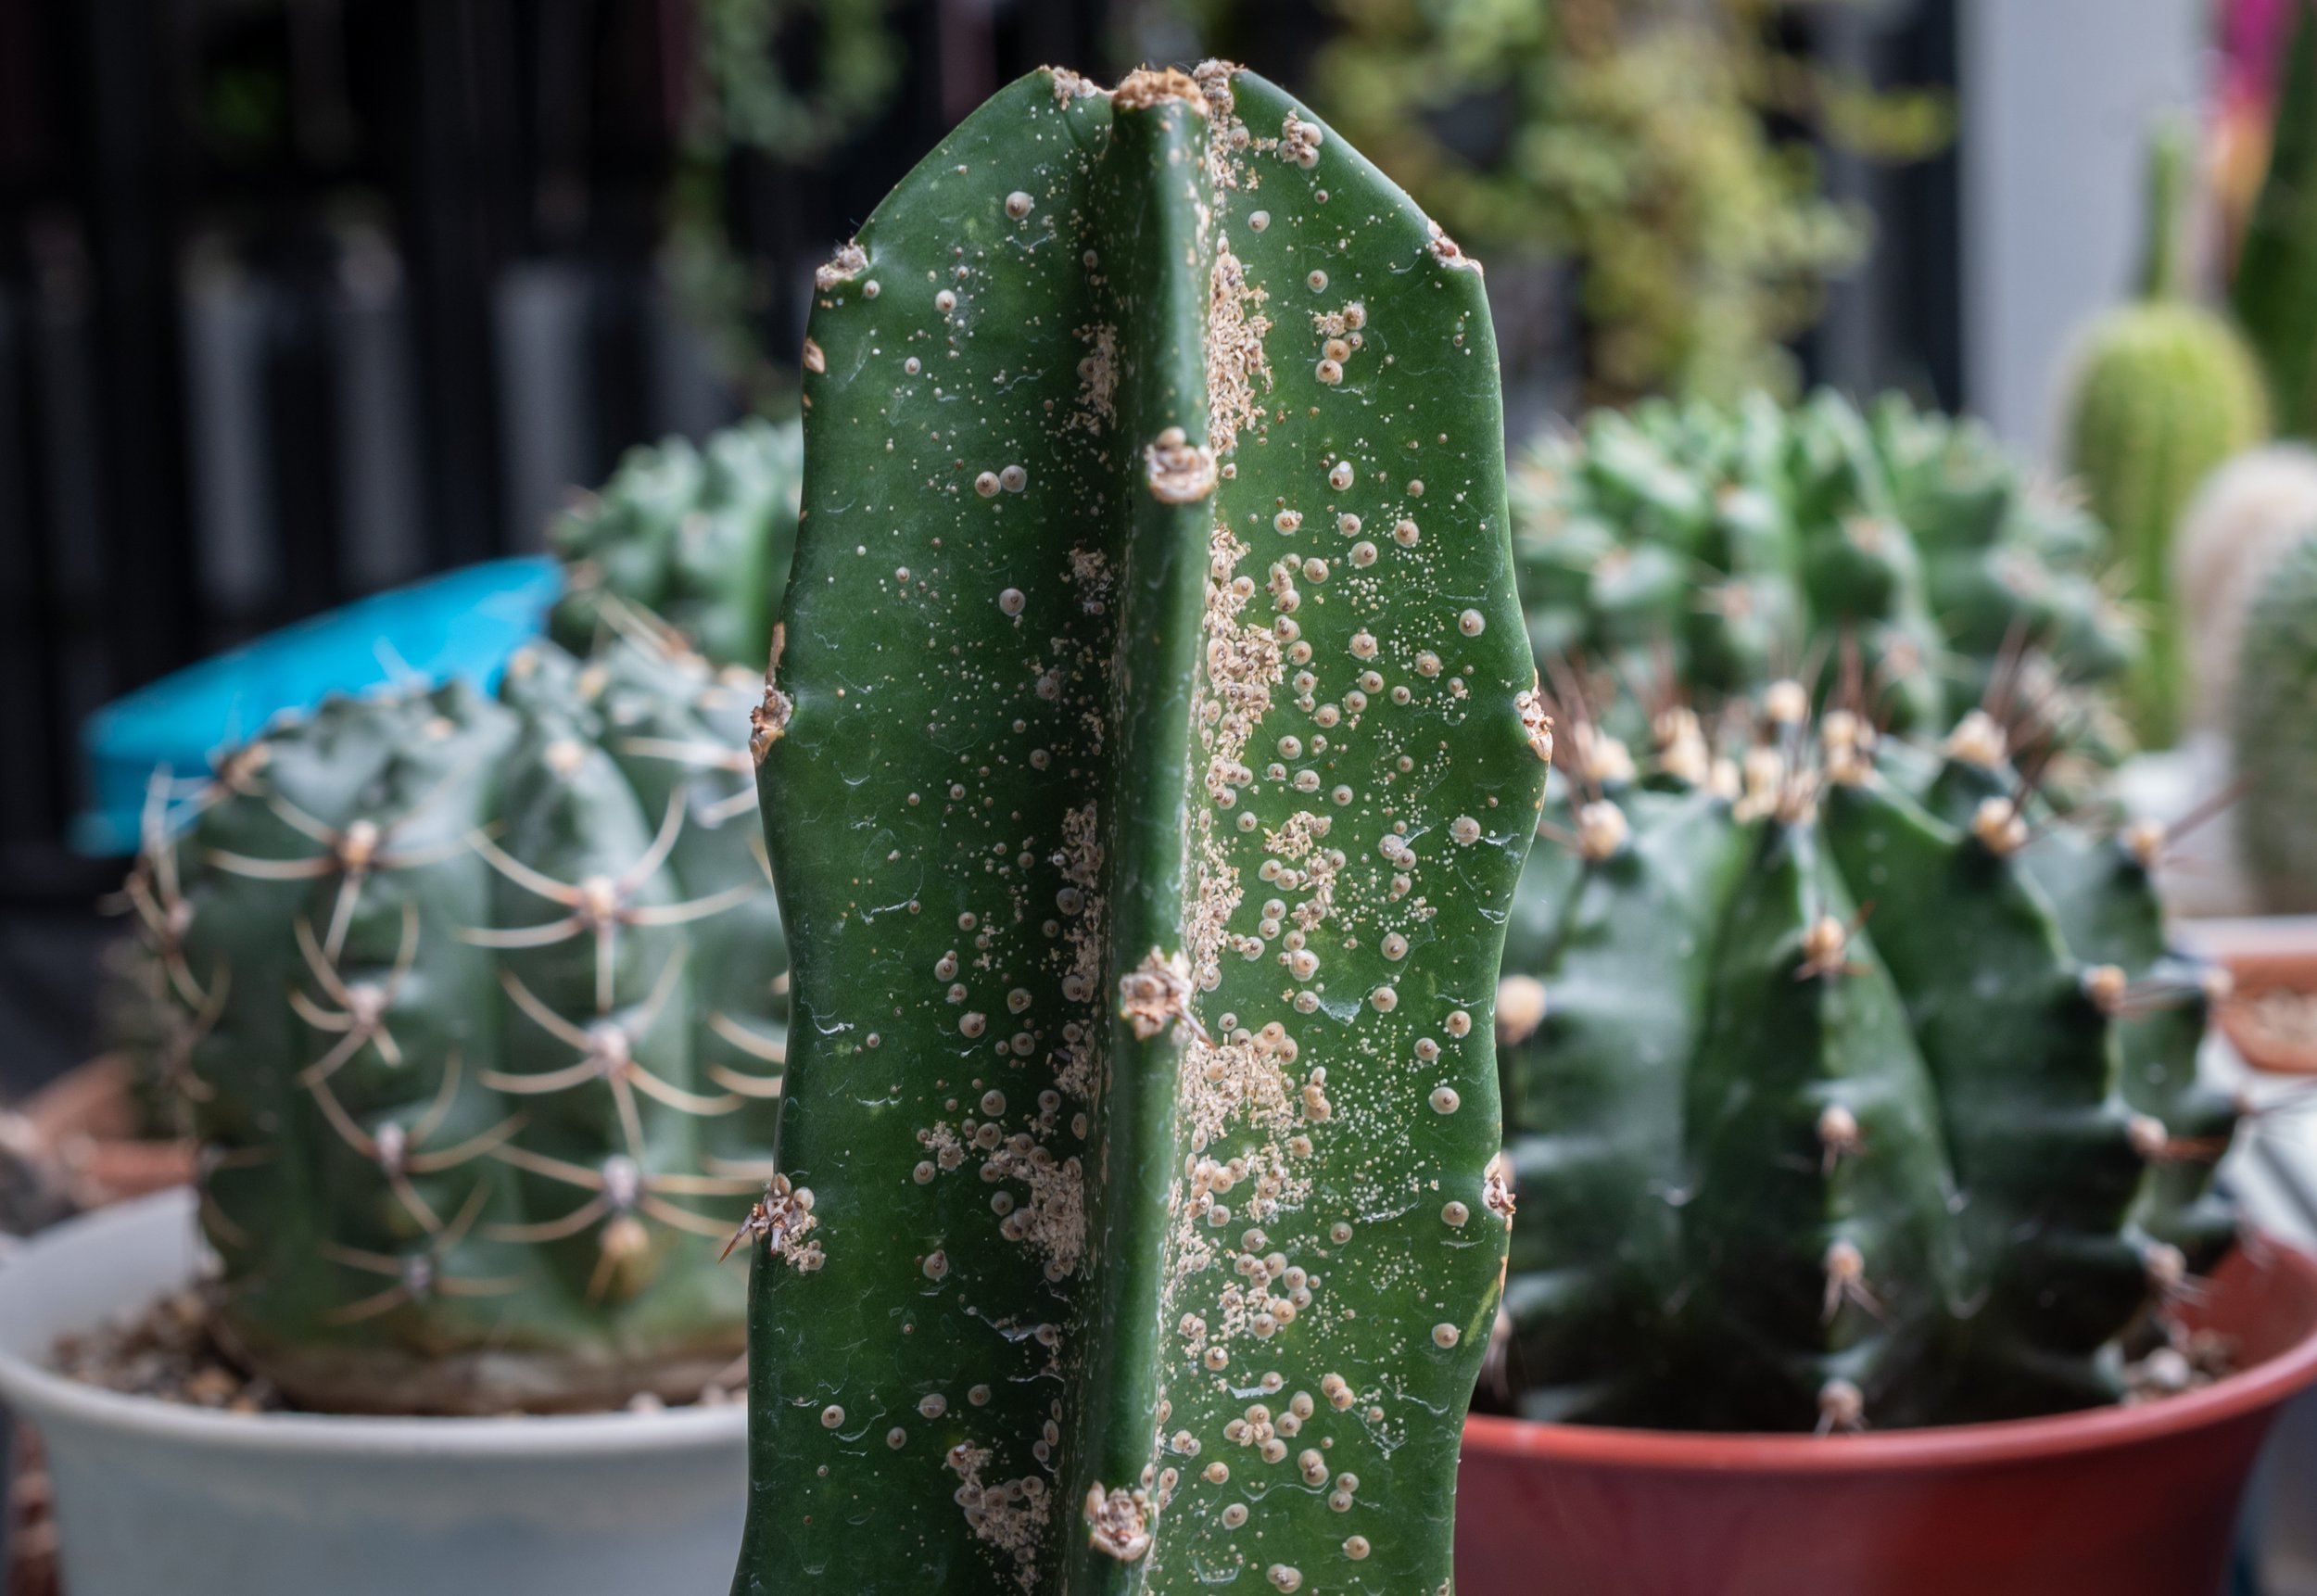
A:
(479, 1002)
(1147, 771)
(1881, 1077)
(2275, 733)
(2164, 390)
(698, 538)
(1706, 551)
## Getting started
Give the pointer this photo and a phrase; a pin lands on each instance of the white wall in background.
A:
(2057, 98)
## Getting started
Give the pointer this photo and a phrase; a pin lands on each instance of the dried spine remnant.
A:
(1118, 1522)
(850, 262)
(1177, 471)
(1520, 1009)
(1156, 993)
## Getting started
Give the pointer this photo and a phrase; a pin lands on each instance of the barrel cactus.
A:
(1881, 1075)
(2164, 390)
(1147, 771)
(479, 1005)
(1700, 553)
(694, 539)
(2275, 733)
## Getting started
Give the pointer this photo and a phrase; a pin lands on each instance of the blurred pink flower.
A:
(2253, 38)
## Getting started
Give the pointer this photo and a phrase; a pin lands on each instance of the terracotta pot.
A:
(2260, 976)
(87, 1124)
(2123, 1502)
(2264, 956)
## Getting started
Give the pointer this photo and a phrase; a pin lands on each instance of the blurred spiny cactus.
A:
(1704, 552)
(697, 539)
(2275, 733)
(1147, 772)
(1881, 1074)
(2163, 391)
(480, 1005)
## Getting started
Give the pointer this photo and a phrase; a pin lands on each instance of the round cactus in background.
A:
(1696, 553)
(2275, 733)
(2163, 391)
(481, 1009)
(697, 539)
(2246, 516)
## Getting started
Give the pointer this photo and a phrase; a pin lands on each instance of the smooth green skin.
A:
(700, 538)
(2274, 292)
(553, 777)
(1027, 795)
(1672, 1096)
(1705, 551)
(2275, 734)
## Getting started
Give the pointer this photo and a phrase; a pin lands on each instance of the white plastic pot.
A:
(153, 1497)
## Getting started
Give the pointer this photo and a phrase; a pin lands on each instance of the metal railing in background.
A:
(302, 298)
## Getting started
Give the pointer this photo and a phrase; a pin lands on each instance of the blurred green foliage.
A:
(788, 79)
(1636, 140)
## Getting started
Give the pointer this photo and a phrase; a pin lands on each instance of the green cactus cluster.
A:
(1700, 553)
(2274, 732)
(1147, 770)
(479, 1004)
(694, 540)
(2163, 391)
(1880, 1076)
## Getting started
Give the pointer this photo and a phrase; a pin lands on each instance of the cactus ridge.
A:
(473, 999)
(1705, 551)
(692, 542)
(1147, 767)
(1882, 1070)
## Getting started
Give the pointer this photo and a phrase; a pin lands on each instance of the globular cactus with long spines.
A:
(2163, 391)
(480, 1006)
(1880, 1075)
(2274, 732)
(1147, 770)
(1704, 551)
(696, 539)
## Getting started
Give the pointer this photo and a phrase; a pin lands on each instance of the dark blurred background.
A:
(303, 299)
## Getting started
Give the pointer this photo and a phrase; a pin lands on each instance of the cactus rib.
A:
(1147, 768)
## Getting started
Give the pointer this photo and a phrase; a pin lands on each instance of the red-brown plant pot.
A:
(2124, 1501)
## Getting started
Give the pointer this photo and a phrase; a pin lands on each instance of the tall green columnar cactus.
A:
(697, 539)
(2274, 291)
(1704, 551)
(1886, 1086)
(479, 1002)
(2275, 733)
(2164, 390)
(1147, 771)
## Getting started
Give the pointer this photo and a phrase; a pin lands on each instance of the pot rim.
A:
(2266, 1385)
(41, 1394)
